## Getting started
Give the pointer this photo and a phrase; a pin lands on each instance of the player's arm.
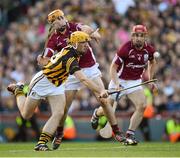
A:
(73, 67)
(90, 84)
(94, 34)
(151, 68)
(151, 71)
(48, 52)
(49, 48)
(113, 73)
(116, 63)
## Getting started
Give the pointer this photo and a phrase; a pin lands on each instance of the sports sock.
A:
(44, 138)
(19, 91)
(59, 131)
(115, 129)
(130, 132)
(95, 114)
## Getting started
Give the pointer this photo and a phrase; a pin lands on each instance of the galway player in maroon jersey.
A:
(59, 34)
(126, 70)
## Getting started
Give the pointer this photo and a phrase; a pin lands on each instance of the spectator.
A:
(23, 33)
(172, 130)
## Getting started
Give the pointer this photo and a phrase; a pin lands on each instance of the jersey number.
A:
(55, 57)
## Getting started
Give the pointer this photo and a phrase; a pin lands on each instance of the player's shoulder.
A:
(71, 24)
(52, 40)
(127, 44)
(125, 47)
(53, 36)
(74, 26)
(149, 47)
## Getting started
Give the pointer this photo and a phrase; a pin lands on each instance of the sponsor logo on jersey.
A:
(131, 65)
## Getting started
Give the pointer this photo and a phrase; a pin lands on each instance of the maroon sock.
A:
(115, 129)
(59, 131)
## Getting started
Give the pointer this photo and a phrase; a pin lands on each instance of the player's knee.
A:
(26, 115)
(141, 107)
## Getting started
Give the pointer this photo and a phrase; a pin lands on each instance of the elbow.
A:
(82, 80)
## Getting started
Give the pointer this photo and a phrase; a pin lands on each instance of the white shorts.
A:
(125, 84)
(73, 83)
(40, 87)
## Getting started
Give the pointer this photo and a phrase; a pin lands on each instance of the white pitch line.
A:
(75, 149)
(72, 149)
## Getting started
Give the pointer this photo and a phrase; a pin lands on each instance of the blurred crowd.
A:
(24, 29)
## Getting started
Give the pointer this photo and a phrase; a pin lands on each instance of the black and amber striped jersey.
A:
(61, 65)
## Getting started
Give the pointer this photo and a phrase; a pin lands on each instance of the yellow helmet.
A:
(54, 15)
(79, 36)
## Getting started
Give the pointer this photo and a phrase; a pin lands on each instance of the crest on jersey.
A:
(139, 56)
(146, 56)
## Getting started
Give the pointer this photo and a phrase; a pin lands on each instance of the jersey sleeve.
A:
(50, 47)
(72, 65)
(117, 60)
(75, 26)
(121, 54)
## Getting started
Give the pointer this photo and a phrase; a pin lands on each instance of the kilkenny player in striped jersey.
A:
(49, 84)
(61, 65)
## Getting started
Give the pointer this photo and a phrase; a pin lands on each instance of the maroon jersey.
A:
(57, 41)
(132, 61)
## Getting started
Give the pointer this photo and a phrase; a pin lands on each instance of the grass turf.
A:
(96, 149)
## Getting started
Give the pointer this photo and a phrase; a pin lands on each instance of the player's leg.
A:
(109, 112)
(139, 100)
(57, 104)
(26, 105)
(99, 111)
(40, 88)
(104, 127)
(59, 132)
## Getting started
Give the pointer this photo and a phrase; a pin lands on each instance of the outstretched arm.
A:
(113, 73)
(90, 84)
(93, 34)
(151, 71)
(151, 68)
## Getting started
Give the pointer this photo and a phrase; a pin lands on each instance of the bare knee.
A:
(26, 115)
(58, 114)
(141, 107)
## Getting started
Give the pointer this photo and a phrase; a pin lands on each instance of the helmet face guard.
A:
(54, 15)
(139, 34)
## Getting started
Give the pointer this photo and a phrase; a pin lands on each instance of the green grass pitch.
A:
(95, 149)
